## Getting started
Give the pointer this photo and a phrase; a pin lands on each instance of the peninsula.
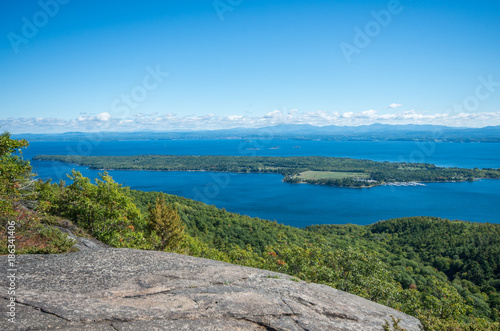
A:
(331, 171)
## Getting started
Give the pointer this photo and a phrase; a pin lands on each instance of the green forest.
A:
(337, 171)
(446, 273)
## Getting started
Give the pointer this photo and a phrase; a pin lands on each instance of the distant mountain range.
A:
(410, 132)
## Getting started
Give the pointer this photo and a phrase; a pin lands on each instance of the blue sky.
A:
(69, 65)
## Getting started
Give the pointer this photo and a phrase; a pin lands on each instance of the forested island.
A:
(331, 171)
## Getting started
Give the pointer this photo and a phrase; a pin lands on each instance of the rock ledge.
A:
(126, 289)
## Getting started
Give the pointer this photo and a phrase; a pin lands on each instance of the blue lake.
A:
(266, 196)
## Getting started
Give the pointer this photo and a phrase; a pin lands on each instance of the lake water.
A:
(266, 196)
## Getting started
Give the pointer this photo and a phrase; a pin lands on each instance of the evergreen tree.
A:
(16, 179)
(166, 223)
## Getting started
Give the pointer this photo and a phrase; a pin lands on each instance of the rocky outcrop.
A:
(82, 243)
(126, 289)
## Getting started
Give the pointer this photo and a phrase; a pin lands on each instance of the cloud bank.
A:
(173, 122)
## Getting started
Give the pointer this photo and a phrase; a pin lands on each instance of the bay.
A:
(266, 196)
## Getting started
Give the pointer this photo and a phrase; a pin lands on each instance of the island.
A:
(319, 170)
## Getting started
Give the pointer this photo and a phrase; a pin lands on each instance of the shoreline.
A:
(397, 184)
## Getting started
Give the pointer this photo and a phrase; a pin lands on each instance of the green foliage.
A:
(166, 223)
(30, 235)
(21, 227)
(194, 247)
(394, 326)
(464, 254)
(59, 242)
(432, 323)
(105, 209)
(218, 228)
(360, 273)
(461, 250)
(49, 196)
(444, 301)
(16, 179)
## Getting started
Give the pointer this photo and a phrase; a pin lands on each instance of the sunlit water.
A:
(266, 196)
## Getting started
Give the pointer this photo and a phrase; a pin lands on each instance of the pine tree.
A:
(16, 179)
(166, 223)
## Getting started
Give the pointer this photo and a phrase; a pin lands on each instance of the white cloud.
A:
(174, 122)
(369, 113)
(103, 116)
(395, 105)
(273, 114)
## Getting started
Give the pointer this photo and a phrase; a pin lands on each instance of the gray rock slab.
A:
(126, 289)
(81, 243)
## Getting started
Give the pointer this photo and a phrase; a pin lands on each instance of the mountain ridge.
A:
(376, 131)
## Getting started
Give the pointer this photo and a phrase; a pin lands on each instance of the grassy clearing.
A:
(307, 175)
(409, 168)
